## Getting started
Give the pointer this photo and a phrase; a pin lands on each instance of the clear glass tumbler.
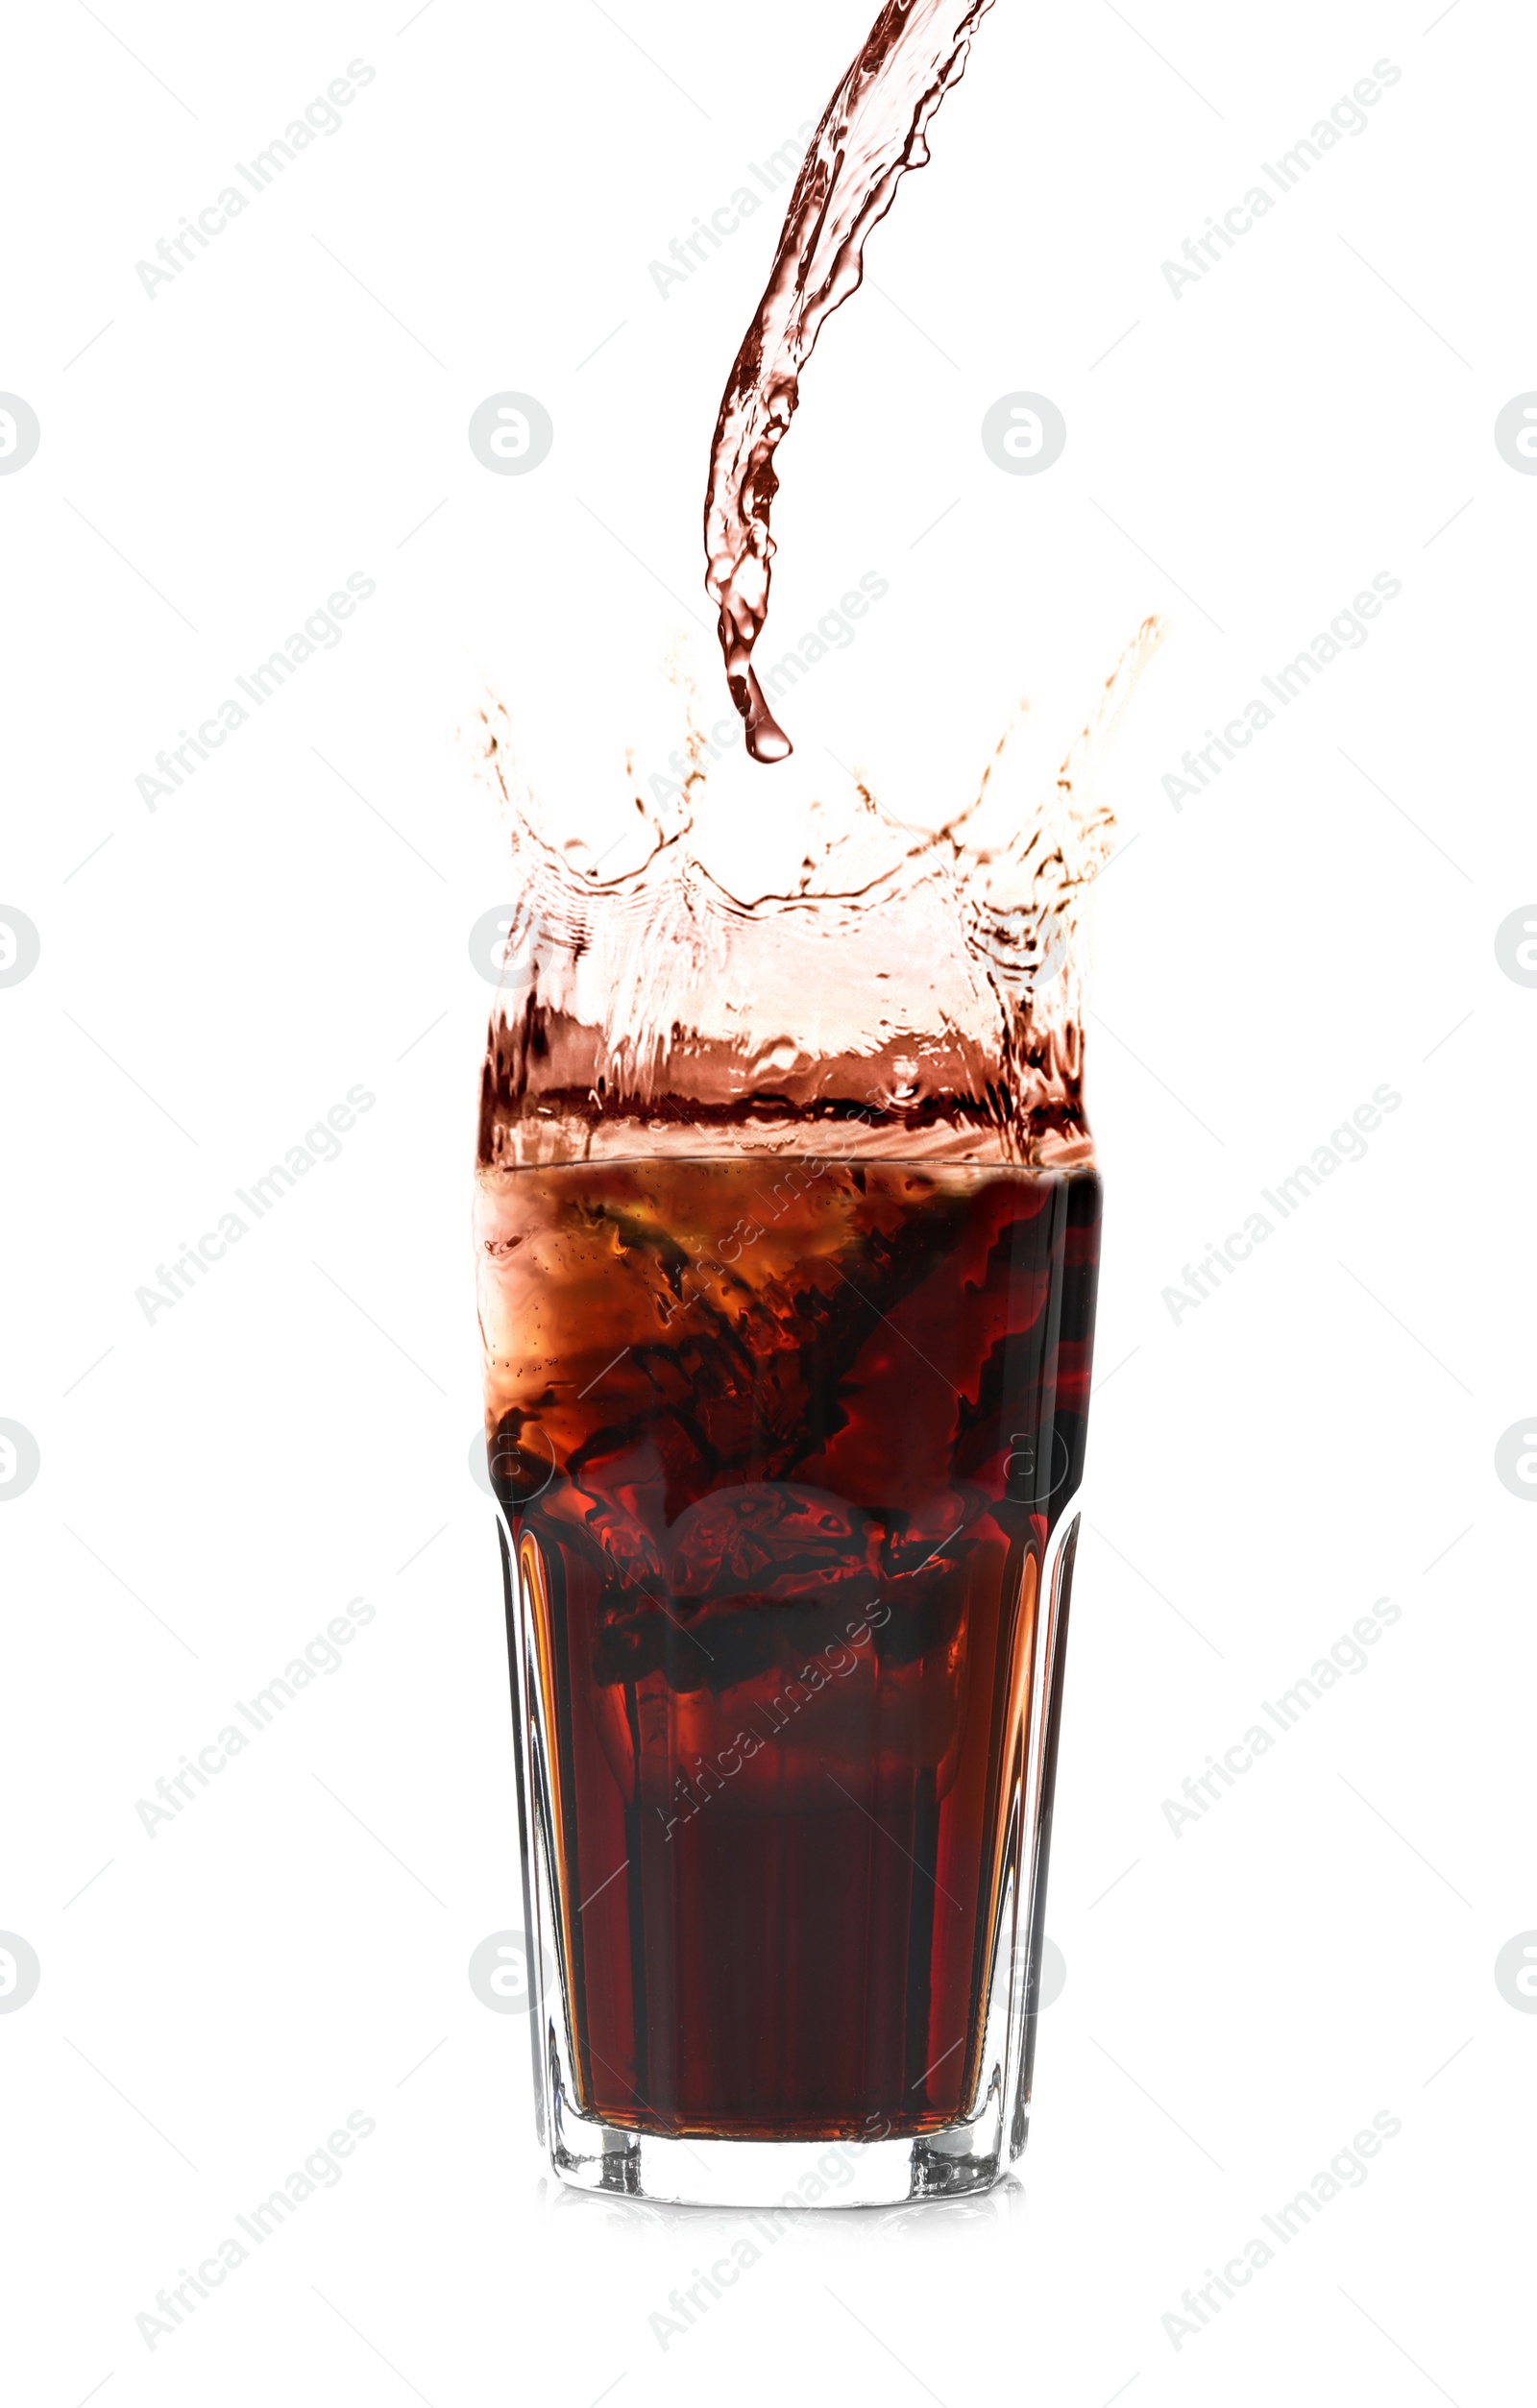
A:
(788, 1232)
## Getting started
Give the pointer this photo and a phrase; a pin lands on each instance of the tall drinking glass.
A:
(788, 1235)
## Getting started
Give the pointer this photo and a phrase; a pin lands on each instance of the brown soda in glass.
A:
(781, 1443)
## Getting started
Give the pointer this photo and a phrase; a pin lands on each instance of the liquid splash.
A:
(872, 130)
(912, 996)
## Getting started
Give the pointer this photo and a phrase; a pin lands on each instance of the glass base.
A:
(879, 2169)
(777, 2174)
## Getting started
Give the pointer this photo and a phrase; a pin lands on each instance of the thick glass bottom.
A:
(789, 2174)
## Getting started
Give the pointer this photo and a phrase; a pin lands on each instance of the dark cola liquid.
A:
(781, 1446)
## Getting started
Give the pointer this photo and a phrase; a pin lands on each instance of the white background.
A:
(214, 973)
